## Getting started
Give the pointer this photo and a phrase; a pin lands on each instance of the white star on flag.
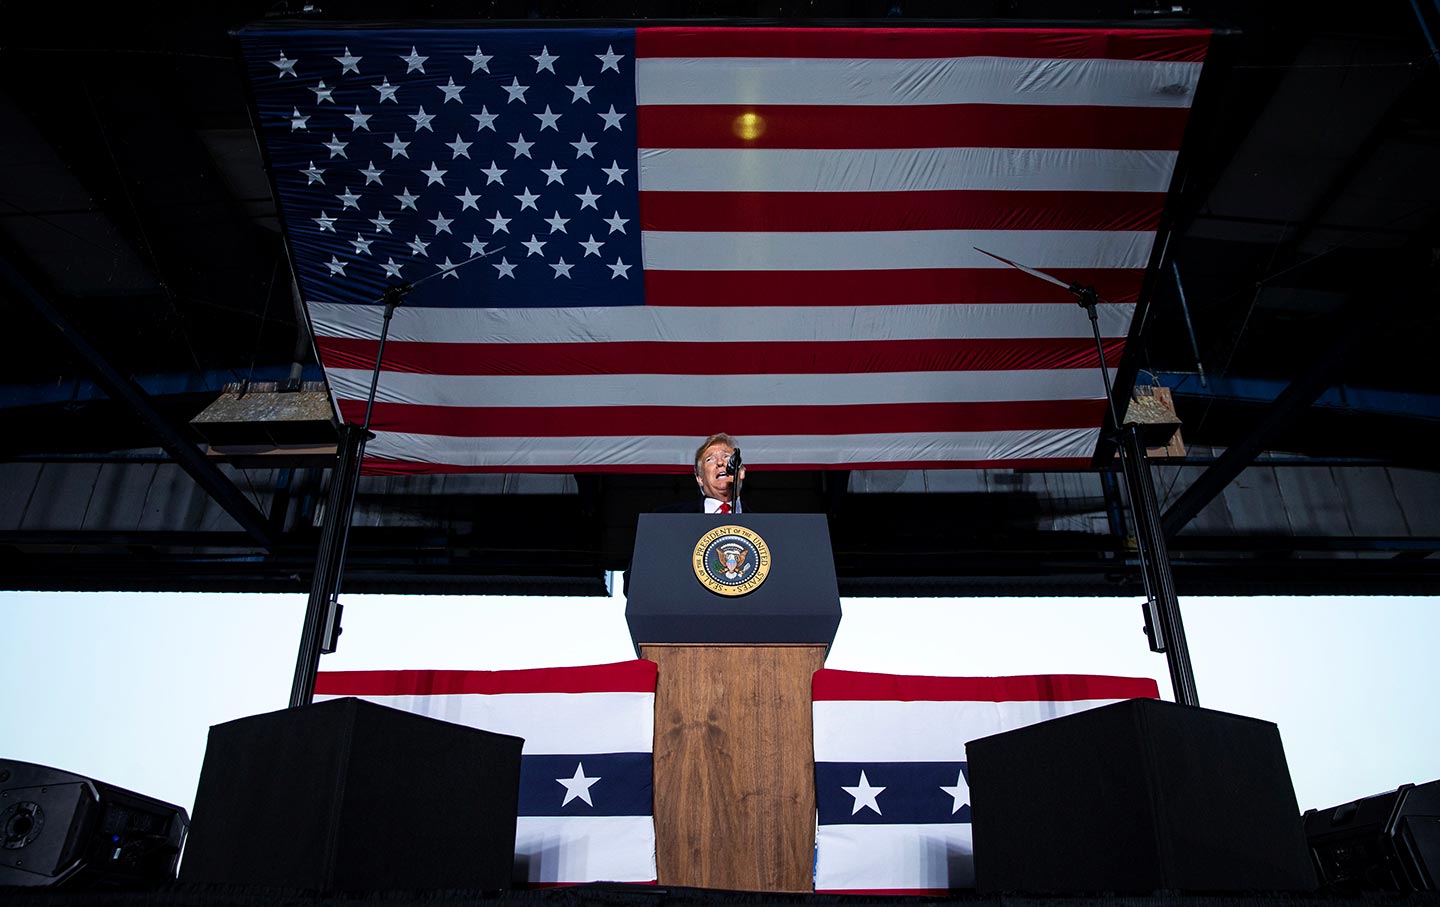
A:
(960, 792)
(484, 119)
(521, 146)
(451, 91)
(358, 120)
(610, 59)
(387, 92)
(579, 785)
(612, 119)
(349, 62)
(865, 795)
(506, 269)
(285, 65)
(619, 269)
(580, 90)
(544, 60)
(515, 90)
(459, 147)
(562, 269)
(499, 224)
(468, 200)
(414, 62)
(478, 60)
(582, 147)
(322, 94)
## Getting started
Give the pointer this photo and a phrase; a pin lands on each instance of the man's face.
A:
(714, 481)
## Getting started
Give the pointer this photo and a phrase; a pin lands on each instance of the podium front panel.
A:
(797, 602)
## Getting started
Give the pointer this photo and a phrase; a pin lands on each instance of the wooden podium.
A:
(734, 759)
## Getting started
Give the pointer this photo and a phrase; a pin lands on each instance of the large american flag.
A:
(622, 240)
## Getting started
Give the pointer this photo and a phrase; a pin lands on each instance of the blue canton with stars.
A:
(488, 168)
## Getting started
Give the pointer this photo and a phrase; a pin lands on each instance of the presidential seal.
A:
(731, 560)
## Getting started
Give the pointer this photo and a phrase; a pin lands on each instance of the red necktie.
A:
(725, 507)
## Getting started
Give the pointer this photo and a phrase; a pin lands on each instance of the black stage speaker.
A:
(349, 795)
(1139, 796)
(60, 828)
(1388, 842)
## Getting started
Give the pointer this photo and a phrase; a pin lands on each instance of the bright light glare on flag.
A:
(749, 126)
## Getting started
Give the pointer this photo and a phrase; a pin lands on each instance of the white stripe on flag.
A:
(742, 390)
(571, 723)
(569, 849)
(893, 857)
(956, 80)
(903, 169)
(769, 450)
(893, 250)
(923, 731)
(678, 323)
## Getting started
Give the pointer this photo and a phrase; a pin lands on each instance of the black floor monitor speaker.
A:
(348, 795)
(57, 828)
(1139, 796)
(1388, 842)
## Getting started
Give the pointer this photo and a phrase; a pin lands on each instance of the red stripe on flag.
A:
(737, 212)
(911, 126)
(627, 421)
(776, 358)
(1178, 45)
(914, 286)
(833, 685)
(636, 676)
(382, 466)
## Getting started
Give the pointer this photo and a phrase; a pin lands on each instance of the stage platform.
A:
(180, 895)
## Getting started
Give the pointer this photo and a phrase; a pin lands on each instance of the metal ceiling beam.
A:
(121, 388)
(1295, 399)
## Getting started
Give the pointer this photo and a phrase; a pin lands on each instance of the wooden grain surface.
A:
(735, 766)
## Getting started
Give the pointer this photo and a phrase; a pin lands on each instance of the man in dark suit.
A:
(717, 487)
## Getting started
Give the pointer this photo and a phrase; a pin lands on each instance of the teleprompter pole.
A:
(1162, 607)
(322, 610)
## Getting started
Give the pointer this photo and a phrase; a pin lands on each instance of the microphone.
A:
(732, 464)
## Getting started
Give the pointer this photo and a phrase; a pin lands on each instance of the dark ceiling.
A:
(135, 214)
